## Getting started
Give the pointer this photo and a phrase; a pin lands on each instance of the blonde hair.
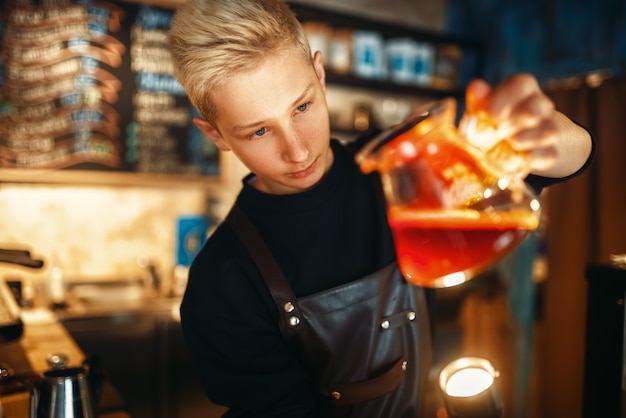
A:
(213, 40)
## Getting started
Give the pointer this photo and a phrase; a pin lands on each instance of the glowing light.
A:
(407, 149)
(503, 183)
(469, 388)
(454, 279)
(469, 382)
(432, 149)
(535, 205)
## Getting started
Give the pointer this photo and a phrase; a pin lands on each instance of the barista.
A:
(295, 307)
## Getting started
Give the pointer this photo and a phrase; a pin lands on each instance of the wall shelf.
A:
(470, 64)
(347, 80)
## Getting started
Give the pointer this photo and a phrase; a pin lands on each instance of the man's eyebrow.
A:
(303, 95)
(239, 128)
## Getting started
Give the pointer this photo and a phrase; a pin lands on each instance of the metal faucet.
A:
(145, 262)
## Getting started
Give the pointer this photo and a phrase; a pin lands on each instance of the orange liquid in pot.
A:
(431, 245)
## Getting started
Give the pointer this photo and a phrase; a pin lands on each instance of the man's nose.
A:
(295, 147)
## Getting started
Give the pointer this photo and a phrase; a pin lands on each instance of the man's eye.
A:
(258, 133)
(303, 107)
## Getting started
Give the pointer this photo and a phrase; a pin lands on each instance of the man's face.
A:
(275, 120)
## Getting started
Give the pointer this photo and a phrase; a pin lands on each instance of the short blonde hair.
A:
(212, 40)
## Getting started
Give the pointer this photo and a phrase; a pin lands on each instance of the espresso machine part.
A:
(18, 394)
(11, 326)
(20, 258)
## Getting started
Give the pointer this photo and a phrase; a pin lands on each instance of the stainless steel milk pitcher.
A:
(65, 393)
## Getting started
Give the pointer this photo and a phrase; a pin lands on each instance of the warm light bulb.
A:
(469, 382)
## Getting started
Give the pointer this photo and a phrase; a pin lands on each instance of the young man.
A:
(295, 306)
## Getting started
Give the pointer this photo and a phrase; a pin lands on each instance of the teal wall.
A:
(549, 38)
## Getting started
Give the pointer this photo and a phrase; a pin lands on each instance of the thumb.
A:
(477, 95)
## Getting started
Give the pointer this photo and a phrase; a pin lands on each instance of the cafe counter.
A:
(44, 334)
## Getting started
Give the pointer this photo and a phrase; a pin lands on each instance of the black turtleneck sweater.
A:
(329, 235)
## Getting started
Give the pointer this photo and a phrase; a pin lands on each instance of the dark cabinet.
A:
(144, 356)
(604, 384)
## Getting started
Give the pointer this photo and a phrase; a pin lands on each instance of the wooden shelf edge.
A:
(168, 4)
(352, 81)
(106, 178)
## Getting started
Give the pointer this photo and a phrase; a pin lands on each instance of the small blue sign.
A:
(191, 233)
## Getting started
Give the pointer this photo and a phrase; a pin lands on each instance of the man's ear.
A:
(318, 65)
(210, 132)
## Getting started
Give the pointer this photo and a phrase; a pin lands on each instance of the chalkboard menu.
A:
(89, 85)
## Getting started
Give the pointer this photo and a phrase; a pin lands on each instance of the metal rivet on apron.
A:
(411, 316)
(294, 320)
(336, 395)
(384, 325)
(288, 307)
(404, 364)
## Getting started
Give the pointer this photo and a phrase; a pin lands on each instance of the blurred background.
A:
(125, 191)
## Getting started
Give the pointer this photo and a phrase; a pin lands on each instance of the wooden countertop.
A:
(44, 334)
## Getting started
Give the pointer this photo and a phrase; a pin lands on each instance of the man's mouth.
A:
(304, 173)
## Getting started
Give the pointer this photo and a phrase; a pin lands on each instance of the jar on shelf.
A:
(369, 55)
(340, 51)
(409, 61)
(447, 67)
(318, 34)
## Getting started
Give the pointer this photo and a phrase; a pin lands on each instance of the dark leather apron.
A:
(366, 344)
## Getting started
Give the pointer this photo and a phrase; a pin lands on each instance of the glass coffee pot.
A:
(456, 197)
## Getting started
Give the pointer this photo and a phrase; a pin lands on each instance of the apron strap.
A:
(291, 321)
